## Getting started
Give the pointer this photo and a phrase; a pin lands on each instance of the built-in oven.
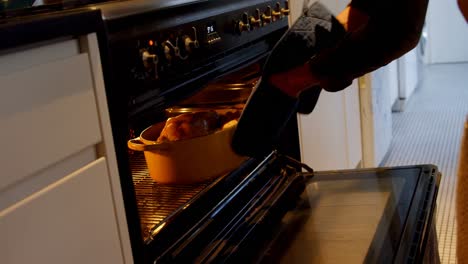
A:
(165, 59)
(185, 62)
(177, 75)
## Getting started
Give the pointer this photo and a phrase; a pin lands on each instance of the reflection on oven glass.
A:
(232, 90)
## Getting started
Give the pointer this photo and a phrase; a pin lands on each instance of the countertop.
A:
(42, 26)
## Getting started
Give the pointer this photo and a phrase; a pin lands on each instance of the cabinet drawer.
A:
(70, 221)
(47, 113)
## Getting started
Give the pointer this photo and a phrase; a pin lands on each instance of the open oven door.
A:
(382, 215)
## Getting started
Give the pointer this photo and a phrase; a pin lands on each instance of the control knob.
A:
(243, 25)
(255, 20)
(276, 13)
(285, 10)
(170, 51)
(189, 43)
(150, 61)
(266, 17)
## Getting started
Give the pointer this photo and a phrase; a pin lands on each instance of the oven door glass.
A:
(155, 200)
(357, 216)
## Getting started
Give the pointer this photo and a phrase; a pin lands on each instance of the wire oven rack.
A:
(155, 201)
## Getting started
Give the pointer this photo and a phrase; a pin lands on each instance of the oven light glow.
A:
(159, 228)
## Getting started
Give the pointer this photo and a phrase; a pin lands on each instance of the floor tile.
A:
(429, 131)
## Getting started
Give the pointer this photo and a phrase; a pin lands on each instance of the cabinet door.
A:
(323, 134)
(44, 111)
(353, 125)
(70, 221)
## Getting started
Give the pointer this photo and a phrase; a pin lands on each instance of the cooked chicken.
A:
(189, 125)
(230, 124)
(229, 116)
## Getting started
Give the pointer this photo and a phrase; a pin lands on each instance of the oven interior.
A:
(156, 202)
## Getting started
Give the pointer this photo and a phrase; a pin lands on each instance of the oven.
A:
(164, 58)
(189, 58)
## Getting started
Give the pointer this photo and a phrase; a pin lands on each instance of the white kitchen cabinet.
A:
(353, 125)
(376, 114)
(69, 221)
(330, 136)
(60, 195)
(46, 109)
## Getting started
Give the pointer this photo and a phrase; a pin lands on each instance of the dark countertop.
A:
(22, 30)
(30, 24)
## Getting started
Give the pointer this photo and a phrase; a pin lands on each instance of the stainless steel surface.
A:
(155, 201)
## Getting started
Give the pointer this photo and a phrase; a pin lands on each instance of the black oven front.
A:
(159, 56)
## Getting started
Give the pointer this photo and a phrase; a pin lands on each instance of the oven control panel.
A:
(261, 18)
(184, 47)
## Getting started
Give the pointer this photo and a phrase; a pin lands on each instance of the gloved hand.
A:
(273, 102)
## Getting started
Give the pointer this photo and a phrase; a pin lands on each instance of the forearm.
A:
(391, 30)
(463, 5)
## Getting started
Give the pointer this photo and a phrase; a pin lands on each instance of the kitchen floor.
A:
(430, 131)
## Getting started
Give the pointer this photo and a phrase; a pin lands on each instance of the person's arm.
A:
(463, 5)
(378, 32)
(393, 28)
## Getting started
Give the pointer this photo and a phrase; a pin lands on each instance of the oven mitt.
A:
(269, 109)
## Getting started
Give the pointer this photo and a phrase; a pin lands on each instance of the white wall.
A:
(323, 144)
(376, 114)
(335, 6)
(447, 32)
(408, 72)
(393, 82)
(296, 8)
(331, 135)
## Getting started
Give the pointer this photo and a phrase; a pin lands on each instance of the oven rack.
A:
(155, 201)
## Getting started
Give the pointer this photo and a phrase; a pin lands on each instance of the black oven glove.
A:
(269, 109)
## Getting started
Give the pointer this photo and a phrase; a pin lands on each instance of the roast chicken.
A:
(190, 125)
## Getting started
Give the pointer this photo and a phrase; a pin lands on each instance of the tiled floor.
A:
(429, 131)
